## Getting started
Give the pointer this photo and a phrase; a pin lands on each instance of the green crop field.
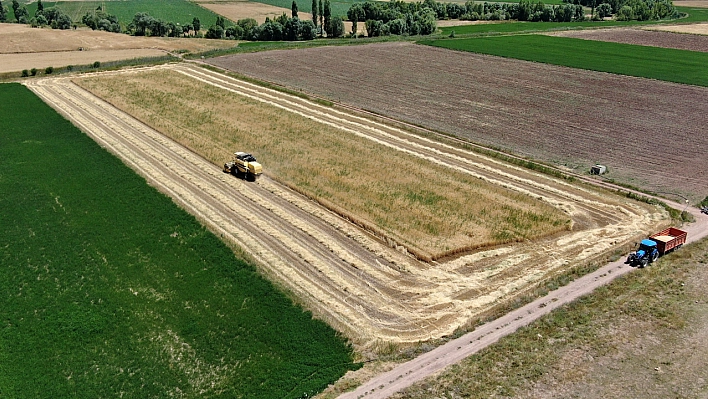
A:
(693, 15)
(108, 289)
(338, 7)
(680, 66)
(177, 11)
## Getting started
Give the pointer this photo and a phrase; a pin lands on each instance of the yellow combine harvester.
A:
(244, 165)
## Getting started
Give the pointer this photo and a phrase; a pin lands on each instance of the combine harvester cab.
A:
(657, 245)
(244, 165)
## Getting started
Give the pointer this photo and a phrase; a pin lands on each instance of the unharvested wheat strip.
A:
(390, 140)
(368, 124)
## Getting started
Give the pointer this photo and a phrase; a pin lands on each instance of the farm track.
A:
(343, 274)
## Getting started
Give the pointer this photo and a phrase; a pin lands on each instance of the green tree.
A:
(604, 10)
(293, 9)
(215, 32)
(196, 24)
(3, 12)
(314, 12)
(624, 14)
(221, 21)
(327, 14)
(40, 7)
(321, 14)
(356, 14)
(336, 27)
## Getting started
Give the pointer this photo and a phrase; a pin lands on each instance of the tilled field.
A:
(642, 37)
(649, 133)
(347, 277)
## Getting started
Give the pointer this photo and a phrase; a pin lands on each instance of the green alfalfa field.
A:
(108, 289)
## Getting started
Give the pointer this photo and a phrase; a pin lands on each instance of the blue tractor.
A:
(645, 254)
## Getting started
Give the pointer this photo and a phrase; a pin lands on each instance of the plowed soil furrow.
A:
(339, 271)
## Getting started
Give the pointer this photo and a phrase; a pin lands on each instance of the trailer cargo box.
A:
(669, 239)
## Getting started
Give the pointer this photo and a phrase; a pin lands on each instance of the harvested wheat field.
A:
(242, 9)
(649, 133)
(642, 37)
(23, 47)
(361, 283)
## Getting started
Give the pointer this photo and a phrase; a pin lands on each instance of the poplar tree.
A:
(327, 18)
(321, 14)
(293, 8)
(3, 16)
(314, 12)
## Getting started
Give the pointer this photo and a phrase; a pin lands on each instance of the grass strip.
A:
(108, 288)
(679, 66)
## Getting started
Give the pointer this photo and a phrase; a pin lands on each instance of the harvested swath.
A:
(430, 209)
(642, 38)
(649, 133)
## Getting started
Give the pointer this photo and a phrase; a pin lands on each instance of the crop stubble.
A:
(649, 133)
(357, 283)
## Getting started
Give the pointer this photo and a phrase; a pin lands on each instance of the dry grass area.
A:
(235, 10)
(692, 3)
(427, 207)
(696, 29)
(241, 9)
(23, 47)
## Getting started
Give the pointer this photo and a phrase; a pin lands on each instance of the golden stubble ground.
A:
(426, 207)
(23, 47)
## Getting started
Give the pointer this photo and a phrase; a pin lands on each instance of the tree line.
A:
(53, 17)
(418, 18)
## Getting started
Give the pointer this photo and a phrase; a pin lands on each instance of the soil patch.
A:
(649, 133)
(667, 39)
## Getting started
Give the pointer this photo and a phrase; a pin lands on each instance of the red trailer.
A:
(669, 239)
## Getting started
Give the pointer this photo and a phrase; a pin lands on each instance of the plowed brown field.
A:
(650, 133)
(356, 282)
(642, 37)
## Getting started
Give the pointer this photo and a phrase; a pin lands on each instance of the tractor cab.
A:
(646, 246)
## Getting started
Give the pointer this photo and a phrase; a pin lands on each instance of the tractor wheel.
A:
(654, 257)
(643, 263)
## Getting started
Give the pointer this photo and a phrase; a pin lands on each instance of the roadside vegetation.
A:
(643, 326)
(429, 209)
(109, 289)
(672, 65)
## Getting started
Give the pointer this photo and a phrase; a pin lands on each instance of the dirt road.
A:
(346, 276)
